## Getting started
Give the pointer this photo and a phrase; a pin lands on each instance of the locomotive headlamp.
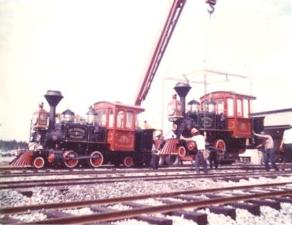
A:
(193, 106)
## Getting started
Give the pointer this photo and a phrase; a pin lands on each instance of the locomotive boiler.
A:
(110, 134)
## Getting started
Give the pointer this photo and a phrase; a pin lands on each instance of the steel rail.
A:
(115, 171)
(82, 181)
(17, 209)
(125, 214)
(92, 180)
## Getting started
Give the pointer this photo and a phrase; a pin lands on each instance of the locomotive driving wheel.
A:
(128, 161)
(191, 145)
(70, 159)
(96, 159)
(172, 160)
(182, 152)
(221, 148)
(39, 162)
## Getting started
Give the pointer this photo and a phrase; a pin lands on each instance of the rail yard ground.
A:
(112, 184)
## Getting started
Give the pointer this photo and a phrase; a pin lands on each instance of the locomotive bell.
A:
(53, 98)
(182, 89)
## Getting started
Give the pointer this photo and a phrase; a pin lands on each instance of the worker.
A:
(213, 157)
(202, 154)
(286, 147)
(269, 151)
(146, 125)
(157, 143)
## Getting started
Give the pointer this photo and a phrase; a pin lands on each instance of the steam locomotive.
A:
(110, 134)
(222, 117)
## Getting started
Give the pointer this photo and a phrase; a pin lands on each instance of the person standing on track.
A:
(213, 157)
(269, 151)
(157, 143)
(201, 155)
(286, 147)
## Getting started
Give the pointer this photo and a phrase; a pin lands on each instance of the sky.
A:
(93, 50)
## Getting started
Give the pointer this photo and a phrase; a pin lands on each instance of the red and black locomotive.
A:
(223, 117)
(109, 134)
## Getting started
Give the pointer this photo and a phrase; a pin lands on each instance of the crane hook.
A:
(211, 3)
(211, 9)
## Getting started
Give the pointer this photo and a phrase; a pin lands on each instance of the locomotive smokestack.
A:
(53, 98)
(182, 89)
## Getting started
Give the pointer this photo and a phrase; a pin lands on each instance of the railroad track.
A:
(218, 200)
(29, 171)
(150, 176)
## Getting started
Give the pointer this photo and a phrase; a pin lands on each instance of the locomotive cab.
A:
(124, 138)
(234, 109)
(120, 121)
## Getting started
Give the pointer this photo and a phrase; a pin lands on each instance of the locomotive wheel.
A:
(182, 152)
(128, 161)
(172, 160)
(70, 160)
(191, 145)
(161, 160)
(221, 145)
(96, 159)
(38, 162)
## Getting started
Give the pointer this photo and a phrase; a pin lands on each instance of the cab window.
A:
(245, 108)
(220, 106)
(230, 107)
(129, 120)
(120, 119)
(239, 107)
(111, 119)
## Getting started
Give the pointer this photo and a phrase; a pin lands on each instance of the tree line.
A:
(12, 144)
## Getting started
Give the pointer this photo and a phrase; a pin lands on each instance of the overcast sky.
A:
(99, 50)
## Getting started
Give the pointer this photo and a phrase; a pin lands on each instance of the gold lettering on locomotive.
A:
(76, 133)
(207, 122)
(123, 140)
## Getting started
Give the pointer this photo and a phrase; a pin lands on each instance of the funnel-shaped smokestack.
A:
(182, 89)
(53, 98)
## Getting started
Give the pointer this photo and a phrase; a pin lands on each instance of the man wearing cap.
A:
(269, 150)
(201, 147)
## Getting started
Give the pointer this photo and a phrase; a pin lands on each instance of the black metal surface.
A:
(182, 89)
(53, 98)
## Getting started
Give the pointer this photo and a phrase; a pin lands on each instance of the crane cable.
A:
(210, 10)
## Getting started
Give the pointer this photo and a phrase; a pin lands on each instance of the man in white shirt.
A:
(286, 147)
(201, 147)
(269, 151)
